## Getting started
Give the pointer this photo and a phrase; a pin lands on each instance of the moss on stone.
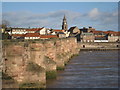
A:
(59, 56)
(71, 56)
(47, 60)
(6, 76)
(51, 74)
(60, 68)
(66, 62)
(75, 54)
(33, 67)
(32, 85)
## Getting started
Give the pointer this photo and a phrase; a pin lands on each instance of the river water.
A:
(91, 69)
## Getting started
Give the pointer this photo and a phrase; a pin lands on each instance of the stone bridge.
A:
(31, 63)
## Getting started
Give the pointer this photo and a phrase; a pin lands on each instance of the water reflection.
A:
(91, 69)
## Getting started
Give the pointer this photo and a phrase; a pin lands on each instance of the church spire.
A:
(64, 17)
(64, 24)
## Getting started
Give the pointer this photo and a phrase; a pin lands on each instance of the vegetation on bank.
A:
(51, 74)
(60, 68)
(35, 85)
(6, 76)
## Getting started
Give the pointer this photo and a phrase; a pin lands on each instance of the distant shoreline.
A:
(98, 49)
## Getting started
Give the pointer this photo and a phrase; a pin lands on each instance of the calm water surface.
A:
(91, 69)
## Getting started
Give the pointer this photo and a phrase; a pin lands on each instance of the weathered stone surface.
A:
(44, 58)
(14, 50)
(99, 45)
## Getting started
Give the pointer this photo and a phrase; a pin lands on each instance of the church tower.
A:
(64, 24)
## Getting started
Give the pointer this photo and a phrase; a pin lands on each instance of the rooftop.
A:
(86, 33)
(32, 35)
(58, 30)
(107, 32)
(18, 35)
(48, 36)
(34, 29)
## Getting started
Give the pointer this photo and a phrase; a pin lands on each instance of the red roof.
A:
(97, 32)
(108, 32)
(48, 36)
(57, 30)
(112, 32)
(18, 35)
(34, 29)
(32, 35)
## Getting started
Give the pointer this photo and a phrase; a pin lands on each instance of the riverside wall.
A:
(97, 45)
(31, 63)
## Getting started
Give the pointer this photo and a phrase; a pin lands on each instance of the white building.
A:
(24, 31)
(42, 31)
(67, 33)
(32, 36)
(100, 40)
(18, 31)
(113, 38)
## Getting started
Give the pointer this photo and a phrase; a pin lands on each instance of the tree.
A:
(3, 27)
(5, 24)
(6, 36)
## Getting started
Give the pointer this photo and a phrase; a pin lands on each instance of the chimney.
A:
(90, 27)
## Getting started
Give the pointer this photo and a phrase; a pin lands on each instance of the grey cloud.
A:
(38, 19)
(54, 19)
(103, 17)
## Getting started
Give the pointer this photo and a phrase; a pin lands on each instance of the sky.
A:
(99, 15)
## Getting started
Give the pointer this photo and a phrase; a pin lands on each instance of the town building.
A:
(84, 29)
(67, 34)
(87, 37)
(43, 31)
(18, 31)
(17, 36)
(57, 31)
(74, 31)
(2, 30)
(32, 30)
(90, 29)
(61, 35)
(114, 37)
(100, 36)
(32, 36)
(106, 36)
(48, 36)
(84, 35)
(99, 33)
(87, 30)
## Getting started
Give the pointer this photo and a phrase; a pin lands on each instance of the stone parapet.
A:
(31, 63)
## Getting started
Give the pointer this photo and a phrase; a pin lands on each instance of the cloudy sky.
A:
(100, 15)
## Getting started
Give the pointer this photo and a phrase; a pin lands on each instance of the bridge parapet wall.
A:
(34, 62)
